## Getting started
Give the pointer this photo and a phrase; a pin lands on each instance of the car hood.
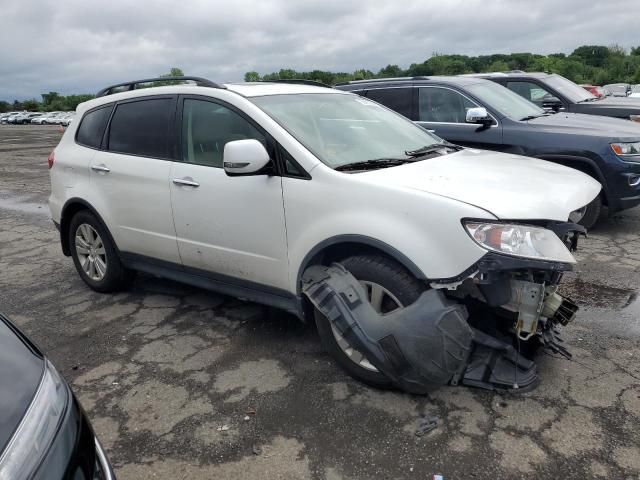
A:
(592, 125)
(611, 105)
(511, 187)
(21, 368)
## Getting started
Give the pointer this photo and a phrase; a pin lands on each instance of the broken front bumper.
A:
(432, 341)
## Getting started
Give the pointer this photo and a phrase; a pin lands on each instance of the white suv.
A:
(239, 188)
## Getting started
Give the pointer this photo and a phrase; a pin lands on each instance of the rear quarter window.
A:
(92, 127)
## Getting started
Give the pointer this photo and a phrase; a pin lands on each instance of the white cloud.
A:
(78, 46)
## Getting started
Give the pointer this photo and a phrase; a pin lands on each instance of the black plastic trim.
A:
(355, 238)
(232, 286)
(201, 82)
(496, 262)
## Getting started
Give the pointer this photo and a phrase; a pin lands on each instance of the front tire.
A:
(399, 288)
(95, 256)
(591, 213)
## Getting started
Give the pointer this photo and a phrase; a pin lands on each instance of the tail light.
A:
(51, 159)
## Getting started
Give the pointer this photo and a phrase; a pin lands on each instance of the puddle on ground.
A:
(616, 308)
(17, 205)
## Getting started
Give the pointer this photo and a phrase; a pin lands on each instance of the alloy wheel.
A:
(91, 252)
(383, 302)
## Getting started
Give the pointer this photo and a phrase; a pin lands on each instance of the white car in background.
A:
(67, 119)
(241, 188)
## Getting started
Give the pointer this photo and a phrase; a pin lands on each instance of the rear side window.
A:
(92, 127)
(398, 99)
(441, 105)
(142, 128)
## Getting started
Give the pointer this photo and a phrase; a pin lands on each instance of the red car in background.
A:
(595, 90)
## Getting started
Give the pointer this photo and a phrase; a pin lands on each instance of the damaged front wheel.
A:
(389, 287)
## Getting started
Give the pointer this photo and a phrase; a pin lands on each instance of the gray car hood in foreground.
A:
(511, 187)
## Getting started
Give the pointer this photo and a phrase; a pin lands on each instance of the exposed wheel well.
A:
(334, 252)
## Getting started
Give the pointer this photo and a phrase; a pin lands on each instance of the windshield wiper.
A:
(373, 163)
(593, 99)
(529, 117)
(434, 148)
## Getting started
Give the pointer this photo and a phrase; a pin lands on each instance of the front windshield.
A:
(572, 91)
(503, 100)
(341, 129)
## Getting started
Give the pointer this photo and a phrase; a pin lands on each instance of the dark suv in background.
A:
(477, 113)
(554, 92)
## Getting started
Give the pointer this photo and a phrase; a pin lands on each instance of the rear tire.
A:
(95, 256)
(373, 269)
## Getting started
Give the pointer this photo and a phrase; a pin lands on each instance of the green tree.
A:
(252, 77)
(48, 98)
(390, 71)
(31, 105)
(498, 66)
(594, 55)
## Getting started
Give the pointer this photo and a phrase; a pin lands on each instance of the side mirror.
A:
(478, 115)
(244, 157)
(552, 103)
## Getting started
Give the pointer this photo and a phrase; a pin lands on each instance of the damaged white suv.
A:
(241, 188)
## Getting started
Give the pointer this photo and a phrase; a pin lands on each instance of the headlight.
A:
(38, 427)
(634, 118)
(520, 241)
(626, 149)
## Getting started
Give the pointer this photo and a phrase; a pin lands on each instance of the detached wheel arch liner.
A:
(355, 239)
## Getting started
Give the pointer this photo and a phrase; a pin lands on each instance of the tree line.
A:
(54, 102)
(592, 64)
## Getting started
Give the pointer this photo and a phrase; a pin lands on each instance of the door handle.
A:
(100, 168)
(186, 181)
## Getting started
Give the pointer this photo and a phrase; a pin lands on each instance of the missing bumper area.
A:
(441, 339)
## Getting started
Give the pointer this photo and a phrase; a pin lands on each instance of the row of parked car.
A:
(533, 114)
(614, 90)
(37, 118)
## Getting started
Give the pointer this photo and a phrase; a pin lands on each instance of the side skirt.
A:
(234, 287)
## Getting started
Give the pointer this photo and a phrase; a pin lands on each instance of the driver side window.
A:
(531, 91)
(442, 105)
(206, 129)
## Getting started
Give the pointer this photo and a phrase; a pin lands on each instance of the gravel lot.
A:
(161, 368)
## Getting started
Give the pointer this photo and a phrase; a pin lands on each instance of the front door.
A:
(231, 228)
(444, 111)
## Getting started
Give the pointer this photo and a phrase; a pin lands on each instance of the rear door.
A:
(130, 177)
(444, 110)
(231, 229)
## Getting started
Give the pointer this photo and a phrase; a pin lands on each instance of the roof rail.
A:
(202, 82)
(386, 79)
(300, 81)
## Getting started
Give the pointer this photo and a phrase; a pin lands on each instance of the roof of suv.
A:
(245, 89)
(452, 80)
(508, 74)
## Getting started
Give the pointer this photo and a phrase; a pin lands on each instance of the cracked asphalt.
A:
(183, 383)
